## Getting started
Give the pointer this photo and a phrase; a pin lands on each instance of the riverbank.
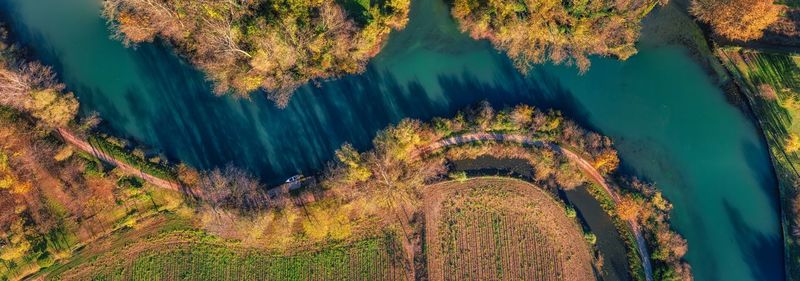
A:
(581, 162)
(612, 245)
(411, 145)
(668, 119)
(770, 81)
(152, 178)
(477, 228)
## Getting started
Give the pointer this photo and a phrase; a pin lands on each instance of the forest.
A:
(742, 20)
(276, 46)
(539, 31)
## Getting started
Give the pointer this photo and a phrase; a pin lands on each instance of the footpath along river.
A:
(670, 121)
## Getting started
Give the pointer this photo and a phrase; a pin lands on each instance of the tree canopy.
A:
(274, 45)
(33, 88)
(536, 31)
(737, 19)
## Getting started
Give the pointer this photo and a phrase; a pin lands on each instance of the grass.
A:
(160, 171)
(501, 229)
(189, 255)
(778, 117)
(116, 239)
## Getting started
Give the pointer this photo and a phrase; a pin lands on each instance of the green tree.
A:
(355, 169)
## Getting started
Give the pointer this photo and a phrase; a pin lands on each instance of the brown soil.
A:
(501, 229)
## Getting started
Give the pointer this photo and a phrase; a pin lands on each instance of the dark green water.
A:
(670, 121)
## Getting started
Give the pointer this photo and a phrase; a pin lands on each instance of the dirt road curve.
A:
(81, 144)
(585, 165)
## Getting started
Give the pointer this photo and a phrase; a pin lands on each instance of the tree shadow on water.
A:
(188, 122)
(764, 252)
(542, 89)
(758, 162)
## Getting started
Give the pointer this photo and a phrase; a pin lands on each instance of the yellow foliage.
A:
(10, 181)
(628, 208)
(53, 108)
(792, 143)
(536, 31)
(607, 161)
(356, 170)
(660, 203)
(522, 114)
(399, 141)
(64, 153)
(326, 221)
(274, 45)
(18, 246)
(738, 19)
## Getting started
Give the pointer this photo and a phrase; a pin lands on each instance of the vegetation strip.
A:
(770, 82)
(580, 161)
(85, 146)
(180, 254)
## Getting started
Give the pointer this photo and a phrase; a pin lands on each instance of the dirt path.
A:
(585, 165)
(81, 144)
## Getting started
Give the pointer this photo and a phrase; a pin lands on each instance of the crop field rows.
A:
(483, 245)
(373, 259)
(499, 229)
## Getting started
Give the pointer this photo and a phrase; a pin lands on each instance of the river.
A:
(670, 121)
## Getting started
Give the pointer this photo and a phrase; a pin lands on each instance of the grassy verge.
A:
(120, 153)
(771, 84)
(118, 238)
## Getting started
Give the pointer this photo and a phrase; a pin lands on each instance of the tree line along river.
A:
(668, 117)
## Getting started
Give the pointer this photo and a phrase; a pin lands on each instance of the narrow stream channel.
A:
(590, 213)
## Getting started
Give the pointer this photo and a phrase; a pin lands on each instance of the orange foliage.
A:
(629, 209)
(737, 19)
(537, 31)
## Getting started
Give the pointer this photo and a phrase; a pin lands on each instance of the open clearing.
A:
(501, 229)
(186, 256)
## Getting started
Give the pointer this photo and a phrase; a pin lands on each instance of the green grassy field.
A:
(185, 256)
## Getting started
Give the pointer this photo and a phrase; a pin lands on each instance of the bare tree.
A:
(233, 188)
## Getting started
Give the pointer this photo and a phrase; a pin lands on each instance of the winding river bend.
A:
(669, 119)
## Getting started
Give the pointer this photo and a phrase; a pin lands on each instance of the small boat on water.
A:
(293, 178)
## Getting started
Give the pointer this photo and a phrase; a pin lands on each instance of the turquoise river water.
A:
(671, 122)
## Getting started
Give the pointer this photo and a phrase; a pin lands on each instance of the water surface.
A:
(670, 121)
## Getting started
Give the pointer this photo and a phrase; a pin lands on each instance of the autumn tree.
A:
(737, 19)
(606, 161)
(232, 188)
(629, 208)
(537, 31)
(246, 45)
(33, 88)
(355, 170)
(792, 143)
(647, 205)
